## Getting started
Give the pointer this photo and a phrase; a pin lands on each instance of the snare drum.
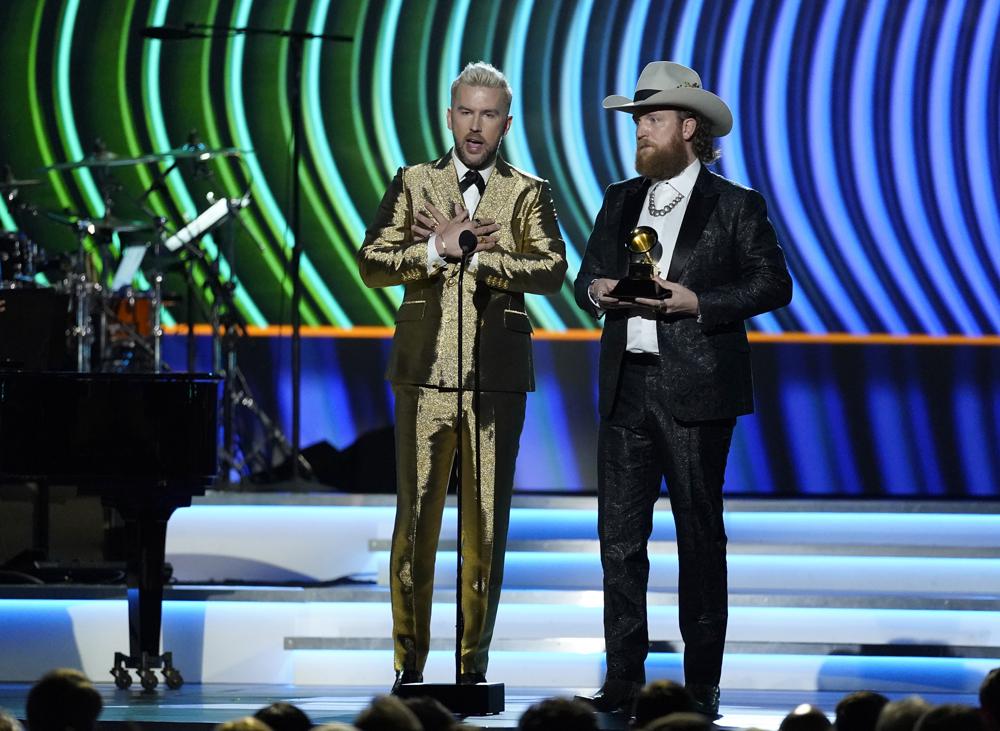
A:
(17, 258)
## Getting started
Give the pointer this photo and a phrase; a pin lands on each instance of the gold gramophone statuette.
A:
(640, 243)
(639, 282)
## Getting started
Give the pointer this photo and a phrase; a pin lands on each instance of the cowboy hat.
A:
(669, 84)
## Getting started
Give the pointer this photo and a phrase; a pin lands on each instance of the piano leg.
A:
(144, 576)
(146, 530)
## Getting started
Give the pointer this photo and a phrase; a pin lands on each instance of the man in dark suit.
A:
(517, 249)
(674, 369)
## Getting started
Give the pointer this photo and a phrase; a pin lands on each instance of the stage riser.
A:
(750, 672)
(323, 542)
(751, 573)
(233, 642)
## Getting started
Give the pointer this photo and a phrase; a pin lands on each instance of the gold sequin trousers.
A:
(426, 444)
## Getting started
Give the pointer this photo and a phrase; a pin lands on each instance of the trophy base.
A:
(630, 289)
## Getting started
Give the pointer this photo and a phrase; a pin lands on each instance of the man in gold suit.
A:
(415, 241)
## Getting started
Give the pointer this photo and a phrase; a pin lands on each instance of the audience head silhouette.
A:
(680, 722)
(989, 699)
(902, 715)
(859, 711)
(433, 716)
(561, 713)
(951, 717)
(282, 716)
(661, 698)
(63, 700)
(247, 723)
(9, 723)
(387, 713)
(805, 718)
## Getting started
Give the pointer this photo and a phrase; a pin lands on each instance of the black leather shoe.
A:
(706, 700)
(471, 678)
(406, 676)
(614, 696)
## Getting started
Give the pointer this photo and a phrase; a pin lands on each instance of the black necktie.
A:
(472, 177)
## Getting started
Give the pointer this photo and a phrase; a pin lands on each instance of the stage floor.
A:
(202, 706)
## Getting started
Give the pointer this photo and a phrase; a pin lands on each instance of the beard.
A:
(483, 159)
(662, 163)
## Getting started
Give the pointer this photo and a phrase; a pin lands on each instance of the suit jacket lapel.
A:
(699, 208)
(445, 182)
(497, 193)
(631, 208)
(628, 216)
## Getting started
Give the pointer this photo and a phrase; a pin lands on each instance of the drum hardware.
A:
(106, 225)
(18, 255)
(250, 438)
(83, 286)
(104, 158)
(101, 157)
(9, 185)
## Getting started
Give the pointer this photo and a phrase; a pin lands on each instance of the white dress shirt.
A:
(642, 330)
(471, 196)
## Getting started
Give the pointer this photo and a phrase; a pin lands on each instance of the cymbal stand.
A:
(157, 275)
(82, 332)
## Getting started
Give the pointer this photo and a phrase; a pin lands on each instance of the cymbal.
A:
(107, 224)
(102, 160)
(111, 160)
(203, 153)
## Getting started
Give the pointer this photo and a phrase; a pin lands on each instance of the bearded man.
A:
(674, 371)
(415, 240)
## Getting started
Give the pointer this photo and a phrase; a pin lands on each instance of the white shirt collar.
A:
(462, 169)
(682, 183)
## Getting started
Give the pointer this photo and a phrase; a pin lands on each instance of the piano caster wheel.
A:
(148, 680)
(122, 679)
(173, 678)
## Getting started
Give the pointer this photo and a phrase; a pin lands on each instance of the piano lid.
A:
(110, 431)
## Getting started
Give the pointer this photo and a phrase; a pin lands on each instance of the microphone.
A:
(166, 33)
(467, 242)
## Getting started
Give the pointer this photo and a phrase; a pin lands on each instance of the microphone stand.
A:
(459, 614)
(298, 39)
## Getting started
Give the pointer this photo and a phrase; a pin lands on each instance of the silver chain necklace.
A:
(654, 211)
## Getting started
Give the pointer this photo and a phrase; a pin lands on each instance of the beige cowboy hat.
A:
(669, 84)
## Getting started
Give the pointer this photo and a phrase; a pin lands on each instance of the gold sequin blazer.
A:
(529, 257)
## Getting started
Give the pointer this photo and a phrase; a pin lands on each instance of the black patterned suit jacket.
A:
(728, 254)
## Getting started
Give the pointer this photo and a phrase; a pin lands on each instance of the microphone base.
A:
(481, 699)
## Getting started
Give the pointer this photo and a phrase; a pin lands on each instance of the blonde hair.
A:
(485, 74)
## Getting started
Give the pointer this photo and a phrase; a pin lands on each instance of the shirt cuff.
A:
(590, 296)
(434, 260)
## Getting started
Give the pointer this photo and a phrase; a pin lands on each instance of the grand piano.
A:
(145, 443)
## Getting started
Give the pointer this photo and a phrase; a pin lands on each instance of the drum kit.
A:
(96, 308)
(113, 305)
